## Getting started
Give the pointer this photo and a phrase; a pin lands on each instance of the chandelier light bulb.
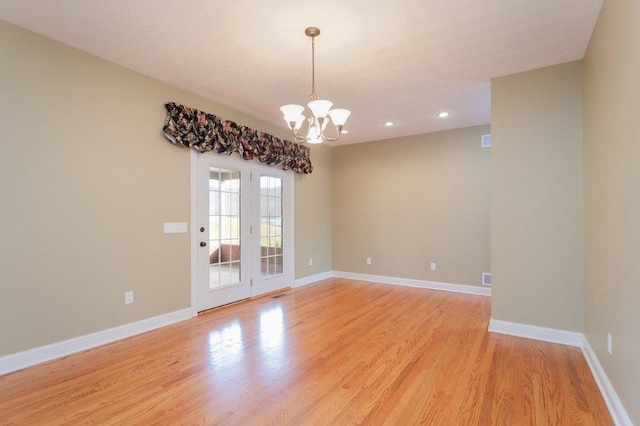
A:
(339, 116)
(291, 113)
(320, 108)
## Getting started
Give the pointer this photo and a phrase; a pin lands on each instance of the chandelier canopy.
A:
(321, 112)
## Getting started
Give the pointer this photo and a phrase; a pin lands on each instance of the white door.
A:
(244, 230)
(223, 220)
(273, 239)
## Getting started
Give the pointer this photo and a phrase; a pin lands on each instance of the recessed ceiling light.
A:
(443, 114)
(389, 123)
(344, 131)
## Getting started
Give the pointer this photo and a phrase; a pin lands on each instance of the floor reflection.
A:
(271, 329)
(272, 341)
(226, 346)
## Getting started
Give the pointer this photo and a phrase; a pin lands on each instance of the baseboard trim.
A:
(534, 332)
(407, 282)
(20, 360)
(616, 409)
(312, 279)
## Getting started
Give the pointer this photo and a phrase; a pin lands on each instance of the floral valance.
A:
(207, 132)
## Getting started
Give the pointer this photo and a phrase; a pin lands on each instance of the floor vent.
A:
(279, 295)
(486, 278)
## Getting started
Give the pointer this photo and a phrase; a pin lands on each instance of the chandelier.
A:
(321, 114)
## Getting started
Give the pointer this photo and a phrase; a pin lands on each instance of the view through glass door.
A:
(244, 230)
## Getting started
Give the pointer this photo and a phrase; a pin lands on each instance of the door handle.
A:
(203, 244)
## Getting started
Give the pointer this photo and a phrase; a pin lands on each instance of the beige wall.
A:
(313, 215)
(536, 198)
(88, 179)
(410, 201)
(612, 196)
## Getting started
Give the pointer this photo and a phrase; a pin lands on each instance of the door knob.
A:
(203, 244)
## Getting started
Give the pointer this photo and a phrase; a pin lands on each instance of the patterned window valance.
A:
(206, 132)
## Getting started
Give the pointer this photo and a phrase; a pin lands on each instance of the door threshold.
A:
(249, 299)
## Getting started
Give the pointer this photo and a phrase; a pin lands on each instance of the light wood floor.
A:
(337, 352)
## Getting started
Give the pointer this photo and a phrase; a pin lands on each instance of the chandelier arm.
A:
(297, 138)
(338, 128)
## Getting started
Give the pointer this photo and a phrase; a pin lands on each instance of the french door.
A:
(245, 224)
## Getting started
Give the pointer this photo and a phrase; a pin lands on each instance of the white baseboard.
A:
(20, 360)
(312, 279)
(545, 334)
(432, 285)
(616, 409)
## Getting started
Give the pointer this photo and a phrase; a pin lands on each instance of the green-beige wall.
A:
(410, 201)
(612, 196)
(536, 197)
(89, 179)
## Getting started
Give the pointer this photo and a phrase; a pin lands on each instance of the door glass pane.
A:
(264, 266)
(224, 227)
(270, 226)
(264, 207)
(278, 264)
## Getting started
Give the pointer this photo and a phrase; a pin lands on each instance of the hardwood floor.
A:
(336, 352)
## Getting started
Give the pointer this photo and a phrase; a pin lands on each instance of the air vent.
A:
(486, 278)
(277, 296)
(486, 141)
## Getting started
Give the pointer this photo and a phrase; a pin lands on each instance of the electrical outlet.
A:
(128, 297)
(433, 266)
(310, 262)
(368, 261)
(609, 343)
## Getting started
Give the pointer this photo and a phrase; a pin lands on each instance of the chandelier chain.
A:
(313, 95)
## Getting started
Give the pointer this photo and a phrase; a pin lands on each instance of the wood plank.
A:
(336, 352)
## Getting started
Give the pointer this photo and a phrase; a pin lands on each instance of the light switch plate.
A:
(175, 228)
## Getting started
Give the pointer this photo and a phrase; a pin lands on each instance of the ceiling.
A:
(404, 61)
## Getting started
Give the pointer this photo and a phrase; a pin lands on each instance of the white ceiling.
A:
(403, 60)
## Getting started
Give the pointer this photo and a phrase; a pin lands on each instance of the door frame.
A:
(288, 239)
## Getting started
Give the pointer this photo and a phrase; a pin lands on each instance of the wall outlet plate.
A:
(368, 261)
(128, 297)
(433, 266)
